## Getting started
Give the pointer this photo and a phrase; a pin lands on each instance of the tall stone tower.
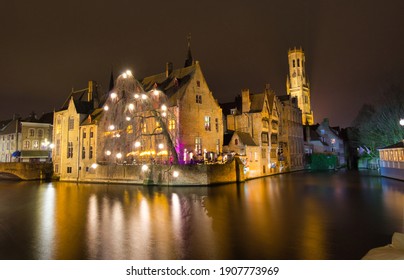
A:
(297, 83)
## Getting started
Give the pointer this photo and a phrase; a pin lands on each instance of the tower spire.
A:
(297, 83)
(189, 60)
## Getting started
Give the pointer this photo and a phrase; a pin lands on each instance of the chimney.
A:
(90, 91)
(245, 99)
(169, 69)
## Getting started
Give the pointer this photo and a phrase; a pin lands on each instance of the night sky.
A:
(354, 48)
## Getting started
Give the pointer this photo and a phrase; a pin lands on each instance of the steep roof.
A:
(312, 129)
(246, 138)
(257, 102)
(394, 146)
(93, 117)
(227, 138)
(174, 86)
(46, 118)
(10, 127)
(4, 123)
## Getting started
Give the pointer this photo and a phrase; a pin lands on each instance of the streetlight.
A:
(402, 122)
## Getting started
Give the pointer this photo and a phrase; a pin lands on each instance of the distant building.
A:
(242, 145)
(392, 161)
(291, 150)
(71, 138)
(321, 138)
(26, 140)
(258, 116)
(297, 83)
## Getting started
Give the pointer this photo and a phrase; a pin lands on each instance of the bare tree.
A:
(379, 125)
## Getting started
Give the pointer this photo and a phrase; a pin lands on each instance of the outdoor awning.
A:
(16, 154)
(35, 154)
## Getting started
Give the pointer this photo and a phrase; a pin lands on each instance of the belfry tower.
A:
(297, 83)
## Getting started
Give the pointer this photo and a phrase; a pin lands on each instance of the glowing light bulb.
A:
(113, 95)
(161, 146)
(131, 107)
(118, 155)
(124, 75)
(128, 72)
(94, 166)
(108, 153)
(137, 96)
(106, 108)
(128, 118)
(111, 127)
(145, 167)
(155, 92)
(164, 114)
(176, 174)
(164, 107)
(137, 144)
(144, 96)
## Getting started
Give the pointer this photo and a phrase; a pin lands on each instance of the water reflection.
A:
(292, 216)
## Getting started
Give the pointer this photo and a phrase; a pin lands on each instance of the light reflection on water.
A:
(291, 216)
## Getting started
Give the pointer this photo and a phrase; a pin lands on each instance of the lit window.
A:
(27, 144)
(35, 144)
(207, 123)
(198, 145)
(144, 127)
(70, 150)
(129, 129)
(31, 132)
(171, 124)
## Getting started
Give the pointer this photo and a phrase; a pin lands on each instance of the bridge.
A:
(25, 170)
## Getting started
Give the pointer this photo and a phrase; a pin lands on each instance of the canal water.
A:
(339, 215)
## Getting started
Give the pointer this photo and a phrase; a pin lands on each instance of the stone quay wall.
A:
(156, 174)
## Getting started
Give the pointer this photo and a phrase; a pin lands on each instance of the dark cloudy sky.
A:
(354, 48)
